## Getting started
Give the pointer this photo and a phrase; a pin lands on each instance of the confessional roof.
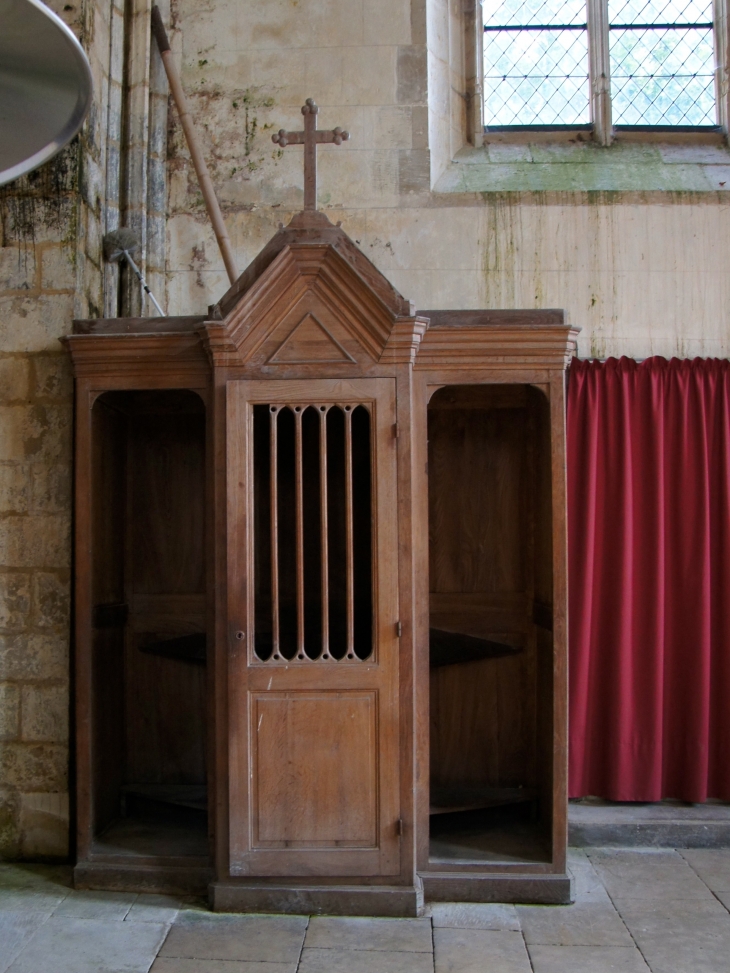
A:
(312, 228)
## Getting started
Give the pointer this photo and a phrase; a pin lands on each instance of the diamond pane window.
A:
(662, 62)
(535, 62)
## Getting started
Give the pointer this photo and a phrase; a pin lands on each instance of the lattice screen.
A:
(313, 532)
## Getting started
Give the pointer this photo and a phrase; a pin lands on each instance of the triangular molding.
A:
(310, 343)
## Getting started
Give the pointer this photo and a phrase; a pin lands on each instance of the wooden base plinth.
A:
(170, 879)
(460, 887)
(334, 900)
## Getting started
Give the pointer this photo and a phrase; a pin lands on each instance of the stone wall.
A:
(37, 286)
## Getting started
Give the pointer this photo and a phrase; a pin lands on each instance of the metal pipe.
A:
(142, 281)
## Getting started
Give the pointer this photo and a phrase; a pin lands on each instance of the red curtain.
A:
(649, 559)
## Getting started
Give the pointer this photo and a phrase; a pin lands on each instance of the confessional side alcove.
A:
(148, 664)
(490, 608)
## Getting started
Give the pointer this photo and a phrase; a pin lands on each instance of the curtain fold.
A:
(649, 570)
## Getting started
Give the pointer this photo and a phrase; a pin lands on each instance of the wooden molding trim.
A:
(512, 346)
(404, 341)
(461, 887)
(219, 347)
(104, 355)
(345, 900)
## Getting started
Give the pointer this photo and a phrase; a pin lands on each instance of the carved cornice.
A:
(510, 346)
(219, 348)
(110, 354)
(405, 338)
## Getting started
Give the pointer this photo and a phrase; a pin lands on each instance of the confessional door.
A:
(313, 628)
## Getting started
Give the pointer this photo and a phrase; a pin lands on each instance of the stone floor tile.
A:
(196, 904)
(33, 888)
(712, 865)
(155, 908)
(638, 874)
(40, 900)
(587, 886)
(364, 961)
(630, 856)
(576, 856)
(680, 954)
(395, 935)
(680, 937)
(172, 965)
(64, 945)
(581, 924)
(16, 928)
(474, 915)
(724, 897)
(262, 939)
(24, 876)
(587, 959)
(673, 915)
(95, 905)
(479, 951)
(684, 957)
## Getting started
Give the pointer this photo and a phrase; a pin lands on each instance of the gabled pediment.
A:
(309, 342)
(310, 297)
(315, 228)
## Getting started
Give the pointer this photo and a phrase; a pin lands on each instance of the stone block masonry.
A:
(37, 287)
(35, 504)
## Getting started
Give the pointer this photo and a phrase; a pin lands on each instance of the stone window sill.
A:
(575, 166)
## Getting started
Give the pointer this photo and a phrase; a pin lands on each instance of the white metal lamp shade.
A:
(45, 86)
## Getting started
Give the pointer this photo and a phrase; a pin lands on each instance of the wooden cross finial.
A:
(310, 138)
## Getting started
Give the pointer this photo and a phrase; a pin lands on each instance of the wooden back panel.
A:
(165, 586)
(485, 515)
(148, 516)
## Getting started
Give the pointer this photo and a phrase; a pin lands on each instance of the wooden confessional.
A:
(320, 594)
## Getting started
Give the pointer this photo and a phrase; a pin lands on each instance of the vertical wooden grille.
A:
(312, 530)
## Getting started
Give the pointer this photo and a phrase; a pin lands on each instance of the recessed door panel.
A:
(313, 678)
(315, 769)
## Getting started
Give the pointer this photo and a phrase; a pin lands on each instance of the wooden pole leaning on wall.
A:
(201, 169)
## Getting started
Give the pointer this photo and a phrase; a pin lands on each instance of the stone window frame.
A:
(601, 130)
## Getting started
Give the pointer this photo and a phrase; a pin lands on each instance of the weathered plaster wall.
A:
(641, 272)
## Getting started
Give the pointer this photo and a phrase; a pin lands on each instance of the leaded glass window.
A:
(662, 62)
(535, 62)
(538, 70)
